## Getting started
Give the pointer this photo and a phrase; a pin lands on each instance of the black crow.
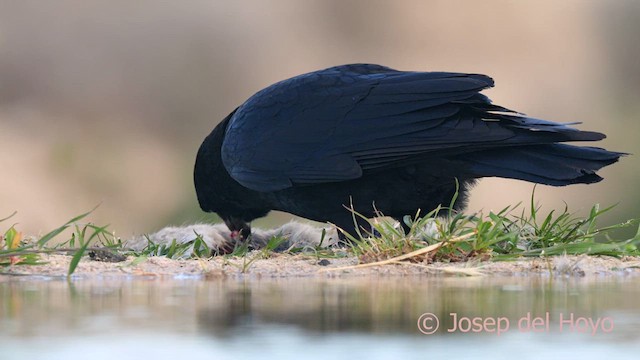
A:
(369, 135)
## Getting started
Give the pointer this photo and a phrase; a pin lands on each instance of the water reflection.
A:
(392, 306)
(385, 306)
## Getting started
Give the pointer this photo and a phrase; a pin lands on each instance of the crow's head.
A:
(218, 192)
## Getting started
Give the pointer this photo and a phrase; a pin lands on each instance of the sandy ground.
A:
(279, 264)
(285, 265)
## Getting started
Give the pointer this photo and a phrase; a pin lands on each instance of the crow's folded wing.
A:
(334, 124)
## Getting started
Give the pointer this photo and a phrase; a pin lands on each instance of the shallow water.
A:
(374, 318)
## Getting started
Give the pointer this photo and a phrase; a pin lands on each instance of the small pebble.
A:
(106, 256)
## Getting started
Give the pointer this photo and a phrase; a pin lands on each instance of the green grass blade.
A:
(75, 260)
(50, 235)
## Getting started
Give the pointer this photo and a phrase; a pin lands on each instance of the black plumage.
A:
(370, 135)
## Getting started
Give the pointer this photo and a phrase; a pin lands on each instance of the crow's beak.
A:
(240, 230)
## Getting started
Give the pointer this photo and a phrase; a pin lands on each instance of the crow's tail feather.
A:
(550, 164)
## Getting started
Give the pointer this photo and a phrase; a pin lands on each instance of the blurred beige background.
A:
(106, 102)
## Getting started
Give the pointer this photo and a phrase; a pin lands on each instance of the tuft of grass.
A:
(175, 250)
(16, 250)
(505, 235)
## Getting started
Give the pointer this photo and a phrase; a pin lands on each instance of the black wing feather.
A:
(336, 124)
